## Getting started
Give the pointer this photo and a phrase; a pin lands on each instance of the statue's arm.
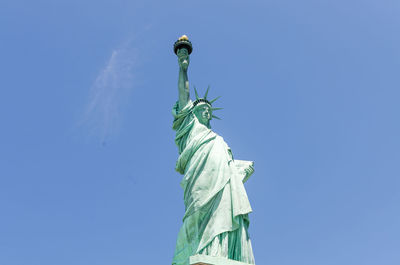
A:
(183, 82)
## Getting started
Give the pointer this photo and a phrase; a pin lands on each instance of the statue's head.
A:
(203, 112)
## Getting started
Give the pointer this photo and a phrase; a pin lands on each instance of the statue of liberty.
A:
(216, 219)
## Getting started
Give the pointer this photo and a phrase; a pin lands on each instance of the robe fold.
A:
(215, 222)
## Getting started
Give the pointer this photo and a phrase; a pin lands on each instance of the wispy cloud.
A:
(112, 87)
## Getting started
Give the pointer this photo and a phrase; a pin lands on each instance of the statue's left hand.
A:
(249, 170)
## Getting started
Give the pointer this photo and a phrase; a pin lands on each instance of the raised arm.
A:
(183, 82)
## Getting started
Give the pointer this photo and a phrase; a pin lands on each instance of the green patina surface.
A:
(216, 205)
(208, 260)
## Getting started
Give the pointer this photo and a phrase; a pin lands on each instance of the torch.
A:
(183, 43)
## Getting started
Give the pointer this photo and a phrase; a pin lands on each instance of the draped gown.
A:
(216, 204)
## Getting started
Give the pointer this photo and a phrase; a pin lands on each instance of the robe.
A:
(216, 220)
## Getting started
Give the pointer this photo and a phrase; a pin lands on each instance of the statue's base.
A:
(209, 260)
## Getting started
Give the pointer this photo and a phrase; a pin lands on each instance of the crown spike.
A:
(216, 109)
(215, 99)
(205, 95)
(195, 91)
(216, 117)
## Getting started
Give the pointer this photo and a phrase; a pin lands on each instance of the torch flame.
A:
(183, 37)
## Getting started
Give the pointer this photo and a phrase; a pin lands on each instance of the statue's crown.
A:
(200, 100)
(205, 100)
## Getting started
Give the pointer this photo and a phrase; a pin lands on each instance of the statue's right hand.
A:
(183, 59)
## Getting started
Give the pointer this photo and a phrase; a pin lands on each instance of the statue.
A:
(216, 205)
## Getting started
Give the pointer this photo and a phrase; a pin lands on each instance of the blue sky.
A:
(310, 91)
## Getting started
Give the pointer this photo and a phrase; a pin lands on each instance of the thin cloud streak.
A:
(109, 92)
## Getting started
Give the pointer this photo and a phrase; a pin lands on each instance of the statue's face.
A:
(203, 113)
